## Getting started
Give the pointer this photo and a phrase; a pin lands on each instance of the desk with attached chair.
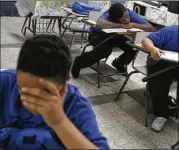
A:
(101, 67)
(143, 70)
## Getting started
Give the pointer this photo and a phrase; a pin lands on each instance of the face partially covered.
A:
(30, 81)
(125, 19)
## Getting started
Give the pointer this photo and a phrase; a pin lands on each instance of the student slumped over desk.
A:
(116, 17)
(159, 86)
(38, 108)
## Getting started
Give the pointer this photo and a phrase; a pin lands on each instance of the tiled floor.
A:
(122, 122)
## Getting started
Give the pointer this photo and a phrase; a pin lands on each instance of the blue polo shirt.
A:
(76, 107)
(134, 18)
(166, 38)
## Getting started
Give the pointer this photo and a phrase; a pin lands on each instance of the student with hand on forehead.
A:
(37, 96)
(116, 17)
(156, 44)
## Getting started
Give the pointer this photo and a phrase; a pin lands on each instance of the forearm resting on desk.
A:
(71, 137)
(103, 24)
(149, 47)
(145, 27)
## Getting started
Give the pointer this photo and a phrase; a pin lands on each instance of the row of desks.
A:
(57, 9)
(69, 12)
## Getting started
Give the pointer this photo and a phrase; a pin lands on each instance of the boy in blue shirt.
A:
(116, 17)
(36, 95)
(155, 43)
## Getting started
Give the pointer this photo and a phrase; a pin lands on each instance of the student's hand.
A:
(46, 103)
(134, 25)
(156, 53)
(126, 26)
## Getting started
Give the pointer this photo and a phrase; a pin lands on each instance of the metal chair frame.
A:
(98, 63)
(137, 70)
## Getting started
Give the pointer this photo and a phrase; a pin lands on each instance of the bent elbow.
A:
(151, 28)
(143, 41)
(99, 24)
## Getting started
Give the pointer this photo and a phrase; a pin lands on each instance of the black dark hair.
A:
(46, 56)
(116, 11)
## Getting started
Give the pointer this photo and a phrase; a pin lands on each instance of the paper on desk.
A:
(139, 45)
(91, 22)
(134, 30)
(118, 30)
(114, 30)
(170, 56)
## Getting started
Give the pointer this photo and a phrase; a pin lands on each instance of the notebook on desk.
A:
(170, 56)
(118, 30)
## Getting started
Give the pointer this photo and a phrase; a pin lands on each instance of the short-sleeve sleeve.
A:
(82, 115)
(159, 38)
(135, 18)
(7, 80)
(104, 16)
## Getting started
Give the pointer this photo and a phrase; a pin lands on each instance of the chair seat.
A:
(105, 69)
(77, 27)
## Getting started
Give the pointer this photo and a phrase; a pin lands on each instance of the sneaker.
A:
(74, 71)
(158, 124)
(172, 102)
(173, 112)
(121, 68)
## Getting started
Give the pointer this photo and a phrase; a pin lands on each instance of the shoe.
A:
(121, 69)
(173, 112)
(158, 124)
(172, 102)
(74, 71)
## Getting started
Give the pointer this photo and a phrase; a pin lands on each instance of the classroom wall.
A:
(8, 7)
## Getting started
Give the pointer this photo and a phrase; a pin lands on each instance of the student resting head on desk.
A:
(159, 86)
(116, 17)
(37, 96)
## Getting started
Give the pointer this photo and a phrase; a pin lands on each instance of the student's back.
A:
(134, 18)
(166, 38)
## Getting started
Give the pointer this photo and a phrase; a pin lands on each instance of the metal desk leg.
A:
(22, 30)
(98, 75)
(60, 25)
(54, 26)
(177, 98)
(34, 24)
(173, 146)
(124, 84)
(49, 24)
(146, 105)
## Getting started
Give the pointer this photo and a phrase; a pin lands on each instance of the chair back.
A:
(94, 15)
(137, 64)
(140, 36)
